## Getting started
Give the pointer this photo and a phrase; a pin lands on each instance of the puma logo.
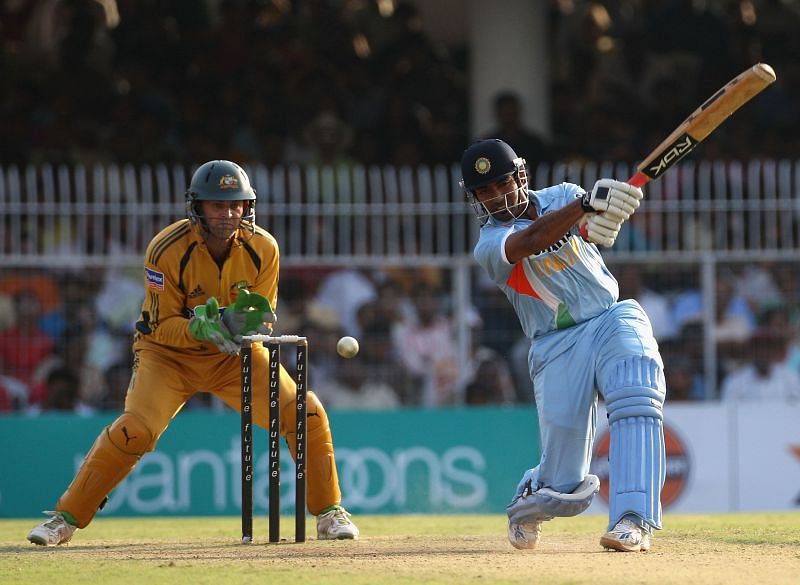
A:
(128, 439)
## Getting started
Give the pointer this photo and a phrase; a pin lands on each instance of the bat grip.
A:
(639, 179)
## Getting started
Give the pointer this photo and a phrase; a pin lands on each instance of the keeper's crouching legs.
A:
(112, 457)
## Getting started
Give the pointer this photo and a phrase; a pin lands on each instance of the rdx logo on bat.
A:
(672, 154)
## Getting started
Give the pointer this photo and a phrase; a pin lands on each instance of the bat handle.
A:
(639, 179)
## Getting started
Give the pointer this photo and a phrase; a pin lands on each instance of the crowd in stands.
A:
(337, 82)
(330, 82)
(61, 349)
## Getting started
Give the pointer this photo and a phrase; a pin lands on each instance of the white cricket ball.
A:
(347, 347)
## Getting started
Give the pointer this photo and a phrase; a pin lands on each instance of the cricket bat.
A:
(703, 121)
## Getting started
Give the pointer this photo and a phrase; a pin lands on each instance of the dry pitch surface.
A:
(725, 549)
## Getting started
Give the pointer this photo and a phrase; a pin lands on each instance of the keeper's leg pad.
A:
(637, 458)
(323, 480)
(113, 455)
(545, 504)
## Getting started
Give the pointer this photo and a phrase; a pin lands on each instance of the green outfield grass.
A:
(726, 549)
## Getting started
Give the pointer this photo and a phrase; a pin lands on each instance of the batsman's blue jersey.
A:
(567, 283)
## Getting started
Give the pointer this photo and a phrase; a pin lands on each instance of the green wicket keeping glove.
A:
(207, 326)
(250, 314)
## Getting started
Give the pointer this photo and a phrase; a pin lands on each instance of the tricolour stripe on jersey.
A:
(524, 280)
(168, 239)
(518, 281)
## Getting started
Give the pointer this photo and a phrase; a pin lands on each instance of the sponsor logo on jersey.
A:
(679, 467)
(228, 182)
(154, 279)
(555, 247)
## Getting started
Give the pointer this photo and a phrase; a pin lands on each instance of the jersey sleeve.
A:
(164, 319)
(490, 252)
(266, 283)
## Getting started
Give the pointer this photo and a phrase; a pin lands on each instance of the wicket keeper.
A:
(181, 348)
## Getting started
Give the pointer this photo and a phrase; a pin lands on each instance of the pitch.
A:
(725, 549)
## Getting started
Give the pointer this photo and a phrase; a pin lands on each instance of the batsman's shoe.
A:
(55, 531)
(524, 536)
(626, 537)
(335, 524)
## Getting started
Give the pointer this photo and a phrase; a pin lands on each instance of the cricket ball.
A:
(347, 347)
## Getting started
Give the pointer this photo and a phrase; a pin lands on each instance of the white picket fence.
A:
(106, 214)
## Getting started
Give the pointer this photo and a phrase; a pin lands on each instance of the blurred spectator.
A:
(367, 381)
(487, 378)
(427, 350)
(734, 320)
(154, 70)
(62, 392)
(490, 380)
(509, 127)
(119, 301)
(680, 372)
(13, 394)
(344, 291)
(41, 283)
(88, 350)
(322, 326)
(767, 377)
(686, 352)
(328, 139)
(501, 328)
(755, 282)
(657, 306)
(24, 347)
(117, 378)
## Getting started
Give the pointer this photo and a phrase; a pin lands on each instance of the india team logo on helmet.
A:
(483, 165)
(228, 182)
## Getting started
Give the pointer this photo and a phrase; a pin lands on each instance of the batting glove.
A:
(205, 325)
(600, 228)
(250, 314)
(616, 198)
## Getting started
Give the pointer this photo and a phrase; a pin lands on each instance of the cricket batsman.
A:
(216, 254)
(539, 247)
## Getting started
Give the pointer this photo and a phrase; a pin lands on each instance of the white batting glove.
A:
(600, 228)
(616, 198)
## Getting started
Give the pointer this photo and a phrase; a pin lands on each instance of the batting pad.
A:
(545, 503)
(638, 469)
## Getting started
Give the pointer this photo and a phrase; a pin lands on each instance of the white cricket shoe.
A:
(335, 524)
(626, 537)
(524, 536)
(55, 531)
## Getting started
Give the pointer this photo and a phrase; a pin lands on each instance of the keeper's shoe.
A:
(524, 536)
(626, 537)
(55, 531)
(335, 524)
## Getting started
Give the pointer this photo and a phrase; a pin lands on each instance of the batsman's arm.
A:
(545, 231)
